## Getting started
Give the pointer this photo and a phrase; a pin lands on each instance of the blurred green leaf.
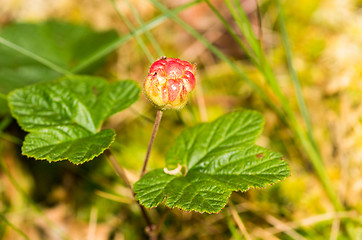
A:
(32, 53)
(213, 160)
(64, 116)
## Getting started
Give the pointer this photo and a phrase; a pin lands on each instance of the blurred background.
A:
(41, 200)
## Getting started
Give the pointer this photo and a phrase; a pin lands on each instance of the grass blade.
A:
(286, 113)
(147, 33)
(232, 32)
(310, 146)
(60, 233)
(172, 15)
(294, 76)
(244, 25)
(115, 44)
(132, 29)
(34, 56)
(21, 233)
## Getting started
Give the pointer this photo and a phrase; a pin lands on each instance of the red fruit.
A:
(168, 82)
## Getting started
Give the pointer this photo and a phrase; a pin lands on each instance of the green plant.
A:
(209, 161)
(64, 116)
(64, 119)
(51, 87)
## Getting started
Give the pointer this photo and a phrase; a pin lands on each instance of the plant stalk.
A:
(153, 136)
(286, 113)
(119, 170)
(238, 221)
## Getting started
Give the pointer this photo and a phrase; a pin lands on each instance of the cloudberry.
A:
(168, 83)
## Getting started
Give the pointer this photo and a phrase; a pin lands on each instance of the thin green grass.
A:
(101, 52)
(307, 140)
(232, 32)
(10, 138)
(172, 15)
(148, 33)
(302, 129)
(17, 230)
(231, 225)
(285, 112)
(28, 200)
(138, 38)
(244, 25)
(5, 122)
(34, 56)
(293, 74)
(142, 29)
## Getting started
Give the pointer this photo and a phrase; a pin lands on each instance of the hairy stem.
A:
(153, 136)
(119, 170)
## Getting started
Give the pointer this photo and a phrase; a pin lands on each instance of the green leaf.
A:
(64, 116)
(212, 160)
(37, 52)
(67, 143)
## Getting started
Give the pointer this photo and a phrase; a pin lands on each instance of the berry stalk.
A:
(153, 136)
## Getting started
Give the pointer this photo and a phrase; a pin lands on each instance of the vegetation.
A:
(65, 94)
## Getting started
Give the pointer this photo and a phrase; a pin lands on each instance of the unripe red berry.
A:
(168, 83)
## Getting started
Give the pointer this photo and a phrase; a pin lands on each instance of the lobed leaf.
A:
(214, 159)
(67, 143)
(64, 116)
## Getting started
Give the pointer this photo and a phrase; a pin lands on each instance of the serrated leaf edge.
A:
(164, 200)
(62, 159)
